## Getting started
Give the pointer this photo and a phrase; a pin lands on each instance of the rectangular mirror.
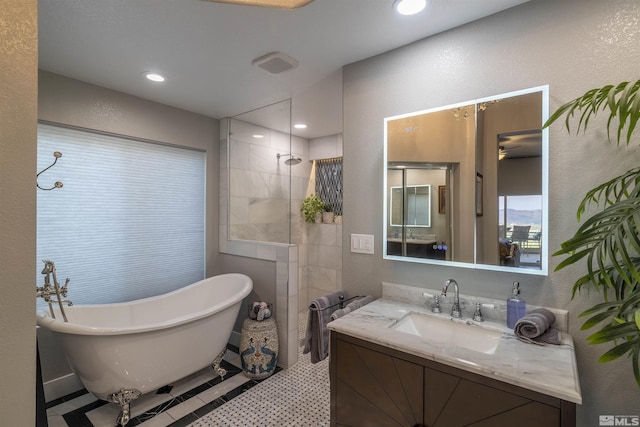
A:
(488, 158)
(410, 206)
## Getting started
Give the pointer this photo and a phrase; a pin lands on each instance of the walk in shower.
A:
(268, 176)
(264, 176)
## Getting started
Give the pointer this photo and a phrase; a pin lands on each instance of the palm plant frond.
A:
(619, 350)
(609, 241)
(614, 332)
(625, 186)
(622, 101)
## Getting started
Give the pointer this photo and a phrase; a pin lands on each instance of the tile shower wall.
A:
(258, 205)
(324, 260)
(321, 252)
(255, 164)
(259, 184)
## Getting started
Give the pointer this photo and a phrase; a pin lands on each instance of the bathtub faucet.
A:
(51, 291)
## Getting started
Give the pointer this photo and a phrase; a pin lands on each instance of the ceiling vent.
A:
(275, 62)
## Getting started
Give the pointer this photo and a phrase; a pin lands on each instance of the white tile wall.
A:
(261, 212)
(324, 260)
(259, 188)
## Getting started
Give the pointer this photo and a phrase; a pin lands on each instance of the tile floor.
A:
(298, 396)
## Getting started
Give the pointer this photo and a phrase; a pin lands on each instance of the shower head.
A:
(291, 161)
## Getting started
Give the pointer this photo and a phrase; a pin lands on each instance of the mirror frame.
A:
(544, 255)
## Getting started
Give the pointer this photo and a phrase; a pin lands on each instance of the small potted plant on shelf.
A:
(327, 214)
(312, 208)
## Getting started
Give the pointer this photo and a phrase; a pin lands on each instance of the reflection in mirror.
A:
(497, 222)
(418, 223)
(520, 200)
(415, 202)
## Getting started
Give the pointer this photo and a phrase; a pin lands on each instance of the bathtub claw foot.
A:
(216, 365)
(124, 399)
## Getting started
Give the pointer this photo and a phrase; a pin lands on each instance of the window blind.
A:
(129, 221)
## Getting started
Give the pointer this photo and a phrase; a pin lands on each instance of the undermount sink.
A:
(450, 332)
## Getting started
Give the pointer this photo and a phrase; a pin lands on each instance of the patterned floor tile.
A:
(298, 396)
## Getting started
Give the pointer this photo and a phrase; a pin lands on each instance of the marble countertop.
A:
(549, 369)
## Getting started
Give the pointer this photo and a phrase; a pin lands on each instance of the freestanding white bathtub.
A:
(132, 348)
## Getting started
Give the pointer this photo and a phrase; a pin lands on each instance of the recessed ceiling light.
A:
(300, 126)
(258, 136)
(155, 77)
(409, 7)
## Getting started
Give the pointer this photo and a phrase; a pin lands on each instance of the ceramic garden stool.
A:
(259, 348)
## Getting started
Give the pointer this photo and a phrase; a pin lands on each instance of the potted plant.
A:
(610, 239)
(312, 208)
(327, 214)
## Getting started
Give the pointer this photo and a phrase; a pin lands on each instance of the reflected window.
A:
(520, 222)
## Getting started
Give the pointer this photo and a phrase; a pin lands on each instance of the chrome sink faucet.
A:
(455, 308)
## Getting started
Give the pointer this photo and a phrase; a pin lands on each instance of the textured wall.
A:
(572, 45)
(18, 116)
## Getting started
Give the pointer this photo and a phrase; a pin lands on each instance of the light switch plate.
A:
(362, 243)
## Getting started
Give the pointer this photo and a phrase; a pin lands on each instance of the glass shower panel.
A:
(261, 160)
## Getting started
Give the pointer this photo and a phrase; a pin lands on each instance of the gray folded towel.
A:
(354, 305)
(535, 328)
(316, 340)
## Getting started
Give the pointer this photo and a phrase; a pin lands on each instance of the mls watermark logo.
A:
(619, 420)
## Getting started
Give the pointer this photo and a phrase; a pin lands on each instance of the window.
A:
(519, 210)
(520, 221)
(129, 221)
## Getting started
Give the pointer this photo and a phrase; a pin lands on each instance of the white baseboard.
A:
(59, 387)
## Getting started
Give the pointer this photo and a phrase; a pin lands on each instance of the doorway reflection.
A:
(418, 220)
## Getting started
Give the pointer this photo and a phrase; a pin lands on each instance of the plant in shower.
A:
(311, 206)
(609, 240)
(328, 216)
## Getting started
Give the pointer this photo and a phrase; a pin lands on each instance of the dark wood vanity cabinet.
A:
(376, 386)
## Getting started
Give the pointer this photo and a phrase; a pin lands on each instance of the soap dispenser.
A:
(516, 307)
